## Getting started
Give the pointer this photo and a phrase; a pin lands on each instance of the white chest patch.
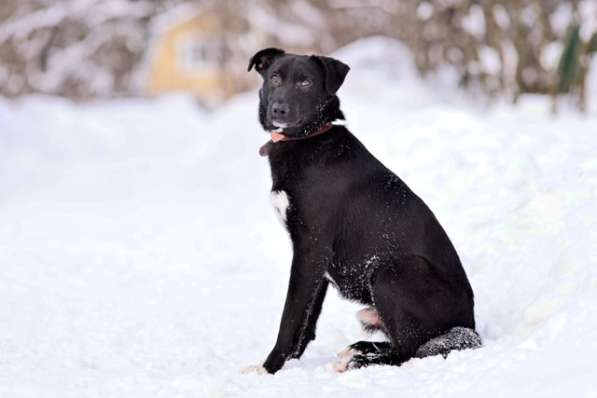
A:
(281, 203)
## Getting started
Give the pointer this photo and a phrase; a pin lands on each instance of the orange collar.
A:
(278, 136)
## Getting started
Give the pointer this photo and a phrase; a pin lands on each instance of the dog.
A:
(355, 225)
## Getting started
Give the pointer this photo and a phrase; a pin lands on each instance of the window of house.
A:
(199, 53)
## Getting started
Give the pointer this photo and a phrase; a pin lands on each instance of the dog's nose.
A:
(279, 109)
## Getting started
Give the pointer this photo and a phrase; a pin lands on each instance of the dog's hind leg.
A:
(455, 339)
(365, 353)
(413, 306)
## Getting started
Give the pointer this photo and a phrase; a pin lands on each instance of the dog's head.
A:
(297, 90)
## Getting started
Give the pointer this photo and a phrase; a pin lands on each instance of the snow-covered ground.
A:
(139, 255)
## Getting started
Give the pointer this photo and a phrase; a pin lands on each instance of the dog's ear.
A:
(335, 72)
(263, 59)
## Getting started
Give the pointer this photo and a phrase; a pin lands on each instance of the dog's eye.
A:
(276, 80)
(305, 83)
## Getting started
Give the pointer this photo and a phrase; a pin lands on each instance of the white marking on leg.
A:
(281, 203)
(257, 369)
(345, 356)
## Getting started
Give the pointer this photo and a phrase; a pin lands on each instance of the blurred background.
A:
(86, 49)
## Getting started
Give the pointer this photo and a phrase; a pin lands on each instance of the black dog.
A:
(353, 223)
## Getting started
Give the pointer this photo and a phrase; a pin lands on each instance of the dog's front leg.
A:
(308, 332)
(306, 277)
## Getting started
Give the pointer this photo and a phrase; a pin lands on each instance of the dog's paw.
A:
(257, 369)
(344, 360)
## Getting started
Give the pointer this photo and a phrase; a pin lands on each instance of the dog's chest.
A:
(281, 202)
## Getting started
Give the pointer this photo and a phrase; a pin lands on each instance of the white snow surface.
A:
(140, 256)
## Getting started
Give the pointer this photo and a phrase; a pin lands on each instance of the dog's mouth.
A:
(278, 124)
(281, 125)
(277, 136)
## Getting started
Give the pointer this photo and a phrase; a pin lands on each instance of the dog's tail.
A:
(457, 338)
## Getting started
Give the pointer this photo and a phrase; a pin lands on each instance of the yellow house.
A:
(191, 53)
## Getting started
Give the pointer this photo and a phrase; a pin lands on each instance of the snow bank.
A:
(139, 255)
